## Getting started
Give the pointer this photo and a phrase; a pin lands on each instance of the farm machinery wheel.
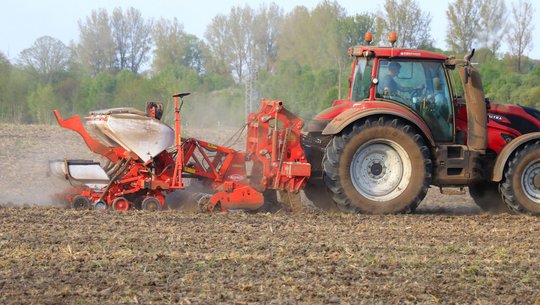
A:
(80, 203)
(379, 166)
(151, 204)
(520, 187)
(120, 204)
(486, 195)
(101, 205)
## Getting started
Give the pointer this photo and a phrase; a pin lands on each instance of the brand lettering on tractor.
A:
(410, 54)
(495, 117)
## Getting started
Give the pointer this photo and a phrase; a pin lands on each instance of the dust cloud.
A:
(25, 151)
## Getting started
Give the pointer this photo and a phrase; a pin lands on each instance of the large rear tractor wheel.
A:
(520, 187)
(486, 195)
(379, 166)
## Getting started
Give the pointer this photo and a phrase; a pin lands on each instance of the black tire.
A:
(374, 145)
(80, 202)
(486, 195)
(151, 204)
(518, 189)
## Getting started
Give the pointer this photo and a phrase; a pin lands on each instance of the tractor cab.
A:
(414, 91)
(422, 85)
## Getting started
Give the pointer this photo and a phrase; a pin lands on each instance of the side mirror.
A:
(469, 56)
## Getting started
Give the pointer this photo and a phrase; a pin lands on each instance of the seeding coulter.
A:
(146, 160)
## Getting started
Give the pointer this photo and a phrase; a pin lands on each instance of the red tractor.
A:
(406, 126)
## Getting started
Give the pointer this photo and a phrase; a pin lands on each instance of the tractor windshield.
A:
(423, 86)
(362, 79)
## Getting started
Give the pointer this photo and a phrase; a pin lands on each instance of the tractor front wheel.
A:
(379, 166)
(520, 187)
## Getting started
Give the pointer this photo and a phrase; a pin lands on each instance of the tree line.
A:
(300, 57)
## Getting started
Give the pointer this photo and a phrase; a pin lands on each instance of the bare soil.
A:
(448, 252)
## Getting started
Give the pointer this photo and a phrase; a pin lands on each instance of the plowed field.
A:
(447, 253)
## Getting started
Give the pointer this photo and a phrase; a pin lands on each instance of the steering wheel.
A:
(417, 92)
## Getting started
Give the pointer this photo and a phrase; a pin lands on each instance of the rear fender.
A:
(508, 150)
(367, 109)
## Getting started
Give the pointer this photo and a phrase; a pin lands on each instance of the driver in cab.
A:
(389, 84)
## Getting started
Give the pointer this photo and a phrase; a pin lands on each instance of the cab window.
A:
(422, 86)
(361, 81)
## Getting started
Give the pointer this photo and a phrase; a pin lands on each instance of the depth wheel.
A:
(151, 204)
(80, 202)
(120, 204)
(520, 187)
(101, 205)
(377, 167)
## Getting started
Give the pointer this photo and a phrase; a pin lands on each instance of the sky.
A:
(22, 22)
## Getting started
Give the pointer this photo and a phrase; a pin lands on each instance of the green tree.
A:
(133, 90)
(5, 73)
(230, 38)
(351, 31)
(519, 35)
(463, 24)
(406, 18)
(312, 37)
(353, 28)
(266, 29)
(175, 47)
(96, 92)
(46, 58)
(218, 46)
(96, 48)
(492, 22)
(131, 35)
(41, 103)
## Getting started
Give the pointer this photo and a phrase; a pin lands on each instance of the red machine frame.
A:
(273, 150)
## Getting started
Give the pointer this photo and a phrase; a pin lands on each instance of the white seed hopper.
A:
(131, 129)
(79, 172)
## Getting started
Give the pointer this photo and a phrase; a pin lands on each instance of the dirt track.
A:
(447, 253)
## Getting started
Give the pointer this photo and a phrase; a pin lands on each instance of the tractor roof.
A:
(372, 51)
